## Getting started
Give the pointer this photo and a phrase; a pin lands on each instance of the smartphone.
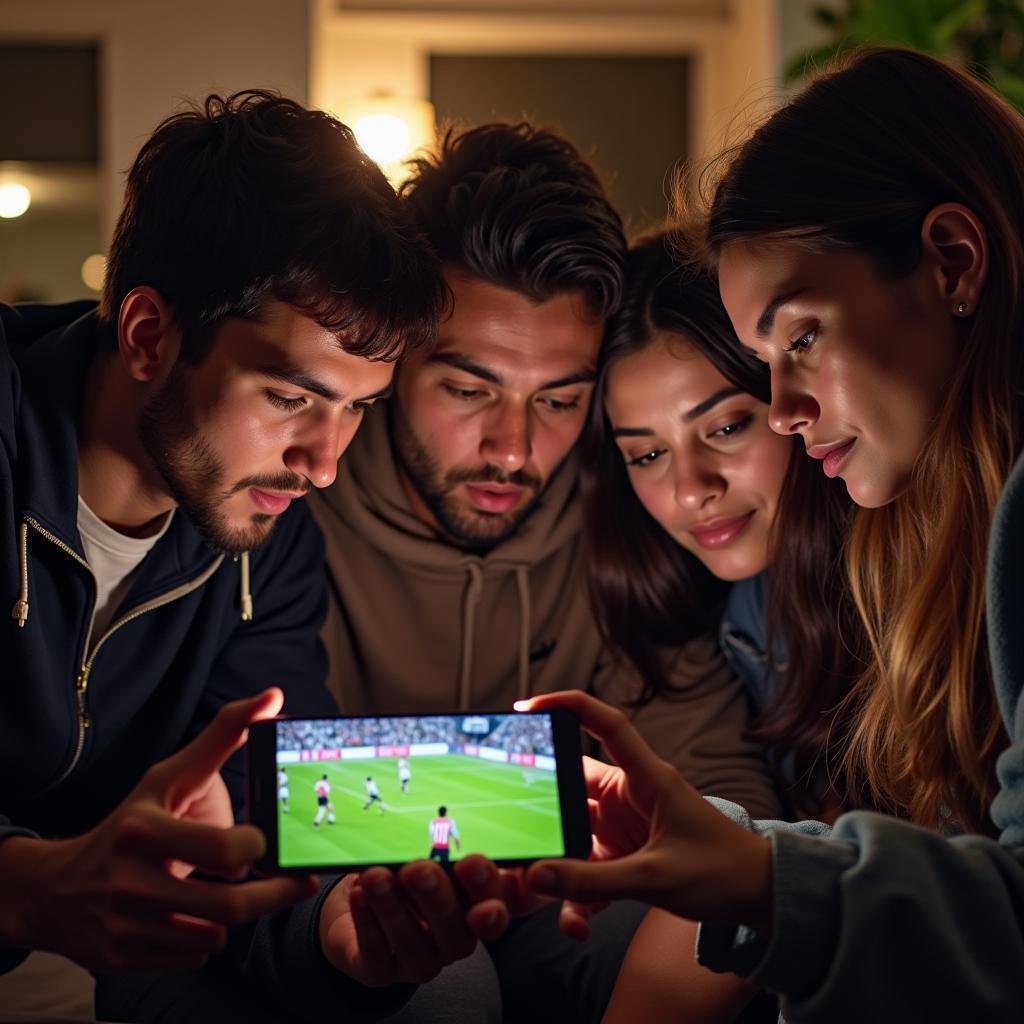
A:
(341, 794)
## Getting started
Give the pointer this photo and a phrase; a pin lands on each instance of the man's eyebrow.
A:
(579, 377)
(300, 379)
(467, 365)
(384, 392)
(766, 321)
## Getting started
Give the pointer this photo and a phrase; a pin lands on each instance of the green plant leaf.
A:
(1011, 86)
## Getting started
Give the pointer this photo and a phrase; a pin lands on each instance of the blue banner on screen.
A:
(379, 790)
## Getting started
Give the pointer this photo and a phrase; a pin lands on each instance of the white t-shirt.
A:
(113, 558)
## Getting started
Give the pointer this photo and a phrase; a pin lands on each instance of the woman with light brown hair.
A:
(868, 245)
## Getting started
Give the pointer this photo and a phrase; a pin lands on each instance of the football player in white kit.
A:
(282, 788)
(322, 788)
(404, 774)
(373, 794)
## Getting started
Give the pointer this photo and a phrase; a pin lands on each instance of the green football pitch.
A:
(502, 810)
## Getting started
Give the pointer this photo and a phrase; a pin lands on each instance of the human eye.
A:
(733, 428)
(283, 401)
(804, 341)
(648, 458)
(464, 394)
(562, 404)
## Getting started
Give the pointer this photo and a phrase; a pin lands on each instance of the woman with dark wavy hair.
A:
(868, 239)
(682, 479)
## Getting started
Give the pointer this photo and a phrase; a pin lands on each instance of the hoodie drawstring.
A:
(245, 594)
(523, 586)
(20, 609)
(469, 602)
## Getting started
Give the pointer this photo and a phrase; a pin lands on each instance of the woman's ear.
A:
(955, 239)
(147, 338)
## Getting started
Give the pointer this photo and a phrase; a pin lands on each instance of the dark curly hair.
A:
(253, 197)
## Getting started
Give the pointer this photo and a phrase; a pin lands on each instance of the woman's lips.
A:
(718, 532)
(833, 456)
(493, 498)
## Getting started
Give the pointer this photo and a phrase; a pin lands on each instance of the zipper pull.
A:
(20, 612)
(81, 682)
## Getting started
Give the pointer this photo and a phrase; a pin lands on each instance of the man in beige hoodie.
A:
(453, 531)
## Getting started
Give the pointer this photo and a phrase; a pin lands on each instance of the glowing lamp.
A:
(389, 130)
(15, 199)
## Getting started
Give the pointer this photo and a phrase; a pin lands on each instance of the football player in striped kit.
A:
(443, 831)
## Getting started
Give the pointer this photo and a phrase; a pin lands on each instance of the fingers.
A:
(157, 836)
(191, 767)
(607, 724)
(377, 965)
(597, 775)
(232, 904)
(432, 893)
(478, 878)
(418, 959)
(155, 891)
(574, 920)
(488, 919)
(593, 882)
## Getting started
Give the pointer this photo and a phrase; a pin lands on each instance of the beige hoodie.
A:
(417, 625)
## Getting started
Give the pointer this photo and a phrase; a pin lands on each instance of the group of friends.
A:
(745, 495)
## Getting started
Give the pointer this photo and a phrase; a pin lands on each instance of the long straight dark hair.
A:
(651, 595)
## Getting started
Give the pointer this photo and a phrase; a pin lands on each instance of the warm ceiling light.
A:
(389, 130)
(384, 138)
(94, 268)
(15, 199)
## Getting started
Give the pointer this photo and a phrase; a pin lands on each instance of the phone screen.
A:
(395, 789)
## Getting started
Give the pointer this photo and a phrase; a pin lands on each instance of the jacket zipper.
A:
(82, 679)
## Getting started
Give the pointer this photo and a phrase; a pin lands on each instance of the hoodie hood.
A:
(369, 495)
(370, 502)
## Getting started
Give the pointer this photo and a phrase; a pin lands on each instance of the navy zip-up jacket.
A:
(83, 716)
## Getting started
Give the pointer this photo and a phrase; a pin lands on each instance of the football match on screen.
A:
(389, 790)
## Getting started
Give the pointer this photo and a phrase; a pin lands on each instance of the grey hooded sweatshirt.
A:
(879, 920)
(417, 625)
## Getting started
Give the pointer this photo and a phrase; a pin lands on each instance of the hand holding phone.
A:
(382, 927)
(118, 897)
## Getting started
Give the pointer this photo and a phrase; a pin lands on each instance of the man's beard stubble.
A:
(194, 475)
(477, 532)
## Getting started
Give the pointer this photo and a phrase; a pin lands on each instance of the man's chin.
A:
(235, 539)
(485, 529)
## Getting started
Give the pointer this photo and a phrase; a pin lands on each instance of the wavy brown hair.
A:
(915, 133)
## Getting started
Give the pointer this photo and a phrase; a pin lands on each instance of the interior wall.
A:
(155, 56)
(359, 48)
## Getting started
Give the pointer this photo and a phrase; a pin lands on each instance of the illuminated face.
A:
(482, 422)
(859, 363)
(699, 453)
(262, 418)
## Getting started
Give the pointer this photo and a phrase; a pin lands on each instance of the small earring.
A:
(961, 308)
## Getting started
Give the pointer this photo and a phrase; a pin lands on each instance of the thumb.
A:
(591, 881)
(177, 777)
